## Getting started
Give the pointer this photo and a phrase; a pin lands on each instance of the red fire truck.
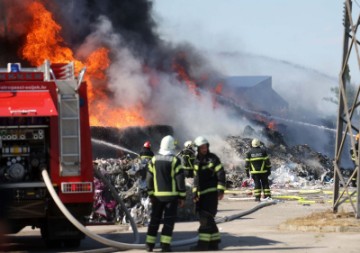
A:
(44, 124)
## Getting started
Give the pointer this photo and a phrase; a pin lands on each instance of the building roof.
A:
(246, 81)
(255, 93)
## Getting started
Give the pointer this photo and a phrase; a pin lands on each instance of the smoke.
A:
(304, 88)
(311, 119)
(169, 101)
(145, 70)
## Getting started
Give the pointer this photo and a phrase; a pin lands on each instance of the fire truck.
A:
(44, 125)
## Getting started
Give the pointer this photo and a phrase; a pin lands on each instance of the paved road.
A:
(255, 232)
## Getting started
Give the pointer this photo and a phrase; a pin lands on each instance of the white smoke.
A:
(303, 88)
(169, 102)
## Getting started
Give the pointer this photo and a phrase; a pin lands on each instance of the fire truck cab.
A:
(44, 125)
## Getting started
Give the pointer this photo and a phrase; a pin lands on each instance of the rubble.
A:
(295, 167)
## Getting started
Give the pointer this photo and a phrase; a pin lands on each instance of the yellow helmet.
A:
(357, 137)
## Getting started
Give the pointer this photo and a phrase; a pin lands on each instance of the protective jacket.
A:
(257, 161)
(187, 157)
(352, 151)
(257, 164)
(146, 153)
(353, 158)
(209, 182)
(164, 183)
(209, 175)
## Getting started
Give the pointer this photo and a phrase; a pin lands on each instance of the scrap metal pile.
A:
(292, 167)
(296, 166)
(127, 175)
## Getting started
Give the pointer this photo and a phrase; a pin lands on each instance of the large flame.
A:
(43, 42)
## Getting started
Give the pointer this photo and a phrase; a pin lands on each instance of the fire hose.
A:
(126, 246)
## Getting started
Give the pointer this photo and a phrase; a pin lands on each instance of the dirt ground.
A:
(327, 218)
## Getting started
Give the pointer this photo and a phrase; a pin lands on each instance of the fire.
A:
(43, 41)
(179, 66)
(272, 125)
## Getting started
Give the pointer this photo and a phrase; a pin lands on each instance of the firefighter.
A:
(257, 164)
(146, 152)
(209, 187)
(145, 156)
(353, 158)
(187, 156)
(166, 188)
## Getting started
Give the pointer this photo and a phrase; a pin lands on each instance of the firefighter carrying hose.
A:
(353, 158)
(166, 189)
(257, 164)
(209, 187)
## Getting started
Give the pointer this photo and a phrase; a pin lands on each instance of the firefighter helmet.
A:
(200, 140)
(167, 143)
(188, 144)
(147, 144)
(255, 143)
(357, 137)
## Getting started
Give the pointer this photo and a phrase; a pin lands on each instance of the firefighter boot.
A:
(201, 246)
(165, 247)
(353, 183)
(257, 199)
(214, 245)
(150, 247)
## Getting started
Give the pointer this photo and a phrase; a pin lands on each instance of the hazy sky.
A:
(308, 32)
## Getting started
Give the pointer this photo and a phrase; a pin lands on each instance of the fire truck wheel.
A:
(53, 244)
(73, 243)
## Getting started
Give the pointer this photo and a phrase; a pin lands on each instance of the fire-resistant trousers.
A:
(169, 209)
(261, 181)
(207, 209)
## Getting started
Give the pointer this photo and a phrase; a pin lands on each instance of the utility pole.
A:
(347, 127)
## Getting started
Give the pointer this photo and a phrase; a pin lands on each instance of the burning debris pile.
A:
(296, 166)
(292, 167)
(127, 175)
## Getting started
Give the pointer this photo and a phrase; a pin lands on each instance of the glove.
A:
(220, 195)
(153, 199)
(195, 198)
(181, 203)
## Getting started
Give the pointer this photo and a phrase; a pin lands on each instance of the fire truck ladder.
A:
(69, 121)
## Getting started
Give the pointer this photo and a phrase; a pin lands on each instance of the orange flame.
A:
(43, 42)
(272, 125)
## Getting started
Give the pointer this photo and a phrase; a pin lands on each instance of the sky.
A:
(298, 43)
(308, 32)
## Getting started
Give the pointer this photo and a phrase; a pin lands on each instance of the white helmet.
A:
(200, 140)
(255, 143)
(188, 144)
(167, 143)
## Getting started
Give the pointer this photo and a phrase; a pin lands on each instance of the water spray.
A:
(113, 146)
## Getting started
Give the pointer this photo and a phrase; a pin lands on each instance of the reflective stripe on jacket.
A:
(165, 178)
(209, 175)
(257, 161)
